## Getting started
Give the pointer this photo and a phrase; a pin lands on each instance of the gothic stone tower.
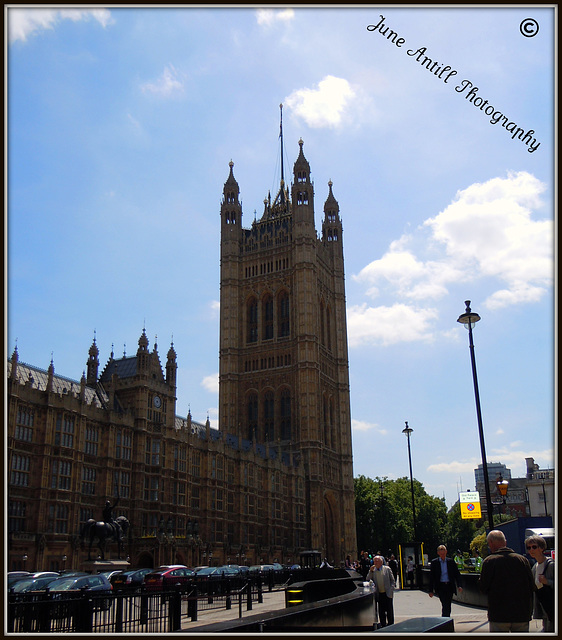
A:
(283, 378)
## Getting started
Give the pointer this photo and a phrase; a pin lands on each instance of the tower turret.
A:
(171, 366)
(92, 364)
(143, 354)
(331, 225)
(302, 196)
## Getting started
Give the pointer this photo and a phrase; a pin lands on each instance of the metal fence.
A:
(144, 612)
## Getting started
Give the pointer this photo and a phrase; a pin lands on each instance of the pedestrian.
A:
(365, 564)
(393, 564)
(444, 580)
(348, 562)
(506, 578)
(478, 564)
(410, 571)
(543, 574)
(383, 582)
(459, 560)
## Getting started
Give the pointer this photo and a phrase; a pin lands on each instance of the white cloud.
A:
(266, 17)
(23, 23)
(489, 226)
(361, 425)
(211, 383)
(166, 85)
(388, 325)
(324, 106)
(455, 466)
(487, 232)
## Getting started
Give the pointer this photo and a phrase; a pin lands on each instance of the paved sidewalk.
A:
(407, 604)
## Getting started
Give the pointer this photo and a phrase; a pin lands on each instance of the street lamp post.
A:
(469, 318)
(408, 432)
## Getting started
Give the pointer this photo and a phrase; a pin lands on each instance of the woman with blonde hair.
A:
(543, 573)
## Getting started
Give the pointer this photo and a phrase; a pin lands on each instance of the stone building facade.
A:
(276, 478)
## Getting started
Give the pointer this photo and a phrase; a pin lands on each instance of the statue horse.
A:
(104, 531)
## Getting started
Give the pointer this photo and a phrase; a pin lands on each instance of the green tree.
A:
(384, 516)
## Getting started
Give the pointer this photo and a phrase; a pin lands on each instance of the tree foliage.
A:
(384, 516)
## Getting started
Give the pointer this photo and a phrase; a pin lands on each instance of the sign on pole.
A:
(470, 505)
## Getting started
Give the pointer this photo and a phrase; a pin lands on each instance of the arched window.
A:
(267, 317)
(329, 328)
(269, 417)
(286, 415)
(252, 416)
(322, 333)
(284, 322)
(252, 320)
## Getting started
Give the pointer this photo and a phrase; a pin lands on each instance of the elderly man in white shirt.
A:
(383, 581)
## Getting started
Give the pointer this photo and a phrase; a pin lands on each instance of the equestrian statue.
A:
(106, 530)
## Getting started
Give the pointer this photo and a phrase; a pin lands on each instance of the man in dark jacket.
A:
(444, 579)
(507, 580)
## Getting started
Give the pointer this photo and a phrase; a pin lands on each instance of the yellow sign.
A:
(470, 505)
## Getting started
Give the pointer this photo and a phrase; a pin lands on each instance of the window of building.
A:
(91, 441)
(152, 452)
(151, 487)
(19, 473)
(122, 484)
(123, 445)
(252, 334)
(269, 417)
(61, 471)
(180, 458)
(196, 463)
(16, 515)
(286, 415)
(195, 498)
(64, 430)
(88, 481)
(57, 518)
(86, 513)
(284, 310)
(24, 424)
(268, 318)
(252, 416)
(178, 493)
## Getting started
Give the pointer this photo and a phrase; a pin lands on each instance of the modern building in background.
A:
(274, 479)
(532, 495)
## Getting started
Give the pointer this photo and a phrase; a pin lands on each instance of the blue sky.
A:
(122, 122)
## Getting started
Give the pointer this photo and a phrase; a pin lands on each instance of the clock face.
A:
(157, 402)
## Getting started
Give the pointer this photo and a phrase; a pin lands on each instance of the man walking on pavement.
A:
(383, 581)
(444, 580)
(506, 578)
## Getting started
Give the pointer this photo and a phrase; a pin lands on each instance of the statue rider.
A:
(108, 517)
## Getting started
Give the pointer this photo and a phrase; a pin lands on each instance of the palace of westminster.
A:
(274, 479)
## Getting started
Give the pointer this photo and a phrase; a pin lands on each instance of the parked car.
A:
(129, 580)
(163, 579)
(110, 574)
(261, 569)
(14, 576)
(32, 584)
(67, 587)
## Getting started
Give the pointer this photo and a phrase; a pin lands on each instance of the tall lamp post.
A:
(469, 319)
(408, 432)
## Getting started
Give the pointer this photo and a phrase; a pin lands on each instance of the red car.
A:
(167, 578)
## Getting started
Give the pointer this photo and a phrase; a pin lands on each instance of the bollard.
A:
(192, 605)
(249, 588)
(174, 610)
(119, 614)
